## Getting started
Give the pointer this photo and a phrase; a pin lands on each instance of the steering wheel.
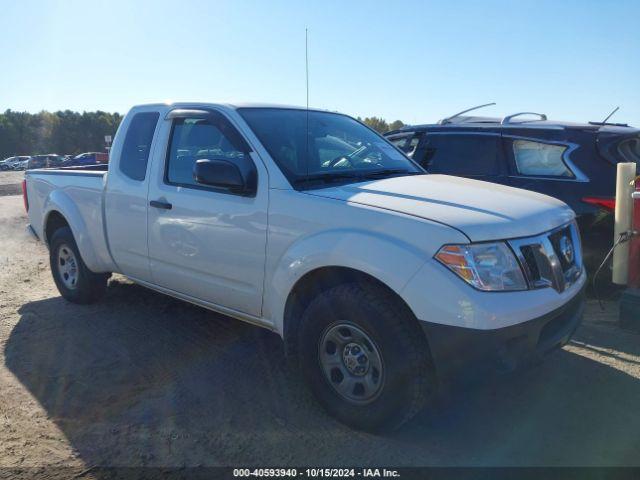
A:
(338, 159)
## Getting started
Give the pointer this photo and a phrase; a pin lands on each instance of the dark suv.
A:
(45, 161)
(574, 162)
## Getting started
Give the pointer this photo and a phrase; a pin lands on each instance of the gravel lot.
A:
(9, 177)
(10, 183)
(143, 379)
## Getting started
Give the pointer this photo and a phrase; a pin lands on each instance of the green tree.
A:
(396, 125)
(62, 132)
(380, 125)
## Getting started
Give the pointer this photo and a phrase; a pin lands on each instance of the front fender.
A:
(59, 201)
(387, 259)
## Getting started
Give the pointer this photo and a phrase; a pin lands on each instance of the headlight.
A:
(486, 266)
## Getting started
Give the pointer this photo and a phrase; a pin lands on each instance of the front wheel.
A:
(364, 356)
(73, 278)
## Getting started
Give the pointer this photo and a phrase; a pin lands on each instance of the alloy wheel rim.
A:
(67, 267)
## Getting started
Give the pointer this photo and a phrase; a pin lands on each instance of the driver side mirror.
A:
(221, 174)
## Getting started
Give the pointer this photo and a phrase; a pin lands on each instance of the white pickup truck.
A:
(381, 279)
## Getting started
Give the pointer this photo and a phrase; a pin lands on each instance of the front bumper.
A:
(456, 349)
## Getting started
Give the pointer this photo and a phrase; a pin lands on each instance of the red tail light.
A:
(24, 195)
(604, 203)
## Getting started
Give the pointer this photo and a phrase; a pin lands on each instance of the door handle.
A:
(160, 204)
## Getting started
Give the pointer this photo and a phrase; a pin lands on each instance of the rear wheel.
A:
(74, 280)
(364, 356)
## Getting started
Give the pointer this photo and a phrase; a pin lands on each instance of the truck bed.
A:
(78, 191)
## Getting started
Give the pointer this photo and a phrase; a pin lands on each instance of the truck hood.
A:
(481, 210)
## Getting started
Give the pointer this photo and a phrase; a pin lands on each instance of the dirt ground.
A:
(141, 379)
(10, 183)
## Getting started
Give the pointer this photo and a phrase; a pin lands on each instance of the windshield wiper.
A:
(388, 171)
(329, 177)
(359, 176)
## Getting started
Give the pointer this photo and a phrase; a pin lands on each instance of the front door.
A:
(206, 242)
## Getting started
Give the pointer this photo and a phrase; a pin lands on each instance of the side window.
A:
(459, 154)
(413, 144)
(540, 159)
(407, 142)
(399, 141)
(193, 139)
(137, 144)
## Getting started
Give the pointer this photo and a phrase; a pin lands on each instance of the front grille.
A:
(553, 259)
(529, 254)
(557, 238)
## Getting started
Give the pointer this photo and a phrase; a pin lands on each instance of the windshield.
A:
(337, 147)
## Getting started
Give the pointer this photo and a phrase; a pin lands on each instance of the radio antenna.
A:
(306, 61)
(306, 68)
(610, 115)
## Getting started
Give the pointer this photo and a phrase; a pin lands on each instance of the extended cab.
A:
(380, 278)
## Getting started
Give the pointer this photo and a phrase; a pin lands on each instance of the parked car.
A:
(380, 278)
(4, 163)
(89, 158)
(574, 162)
(45, 161)
(10, 163)
(21, 164)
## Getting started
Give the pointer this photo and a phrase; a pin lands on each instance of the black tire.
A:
(407, 373)
(88, 286)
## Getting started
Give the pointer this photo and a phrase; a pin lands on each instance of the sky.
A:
(417, 61)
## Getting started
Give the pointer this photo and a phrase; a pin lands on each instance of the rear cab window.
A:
(137, 145)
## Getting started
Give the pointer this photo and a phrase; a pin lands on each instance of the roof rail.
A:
(444, 121)
(508, 118)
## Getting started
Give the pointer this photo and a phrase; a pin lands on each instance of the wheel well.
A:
(315, 282)
(55, 220)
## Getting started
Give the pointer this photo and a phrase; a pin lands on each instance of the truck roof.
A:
(234, 105)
